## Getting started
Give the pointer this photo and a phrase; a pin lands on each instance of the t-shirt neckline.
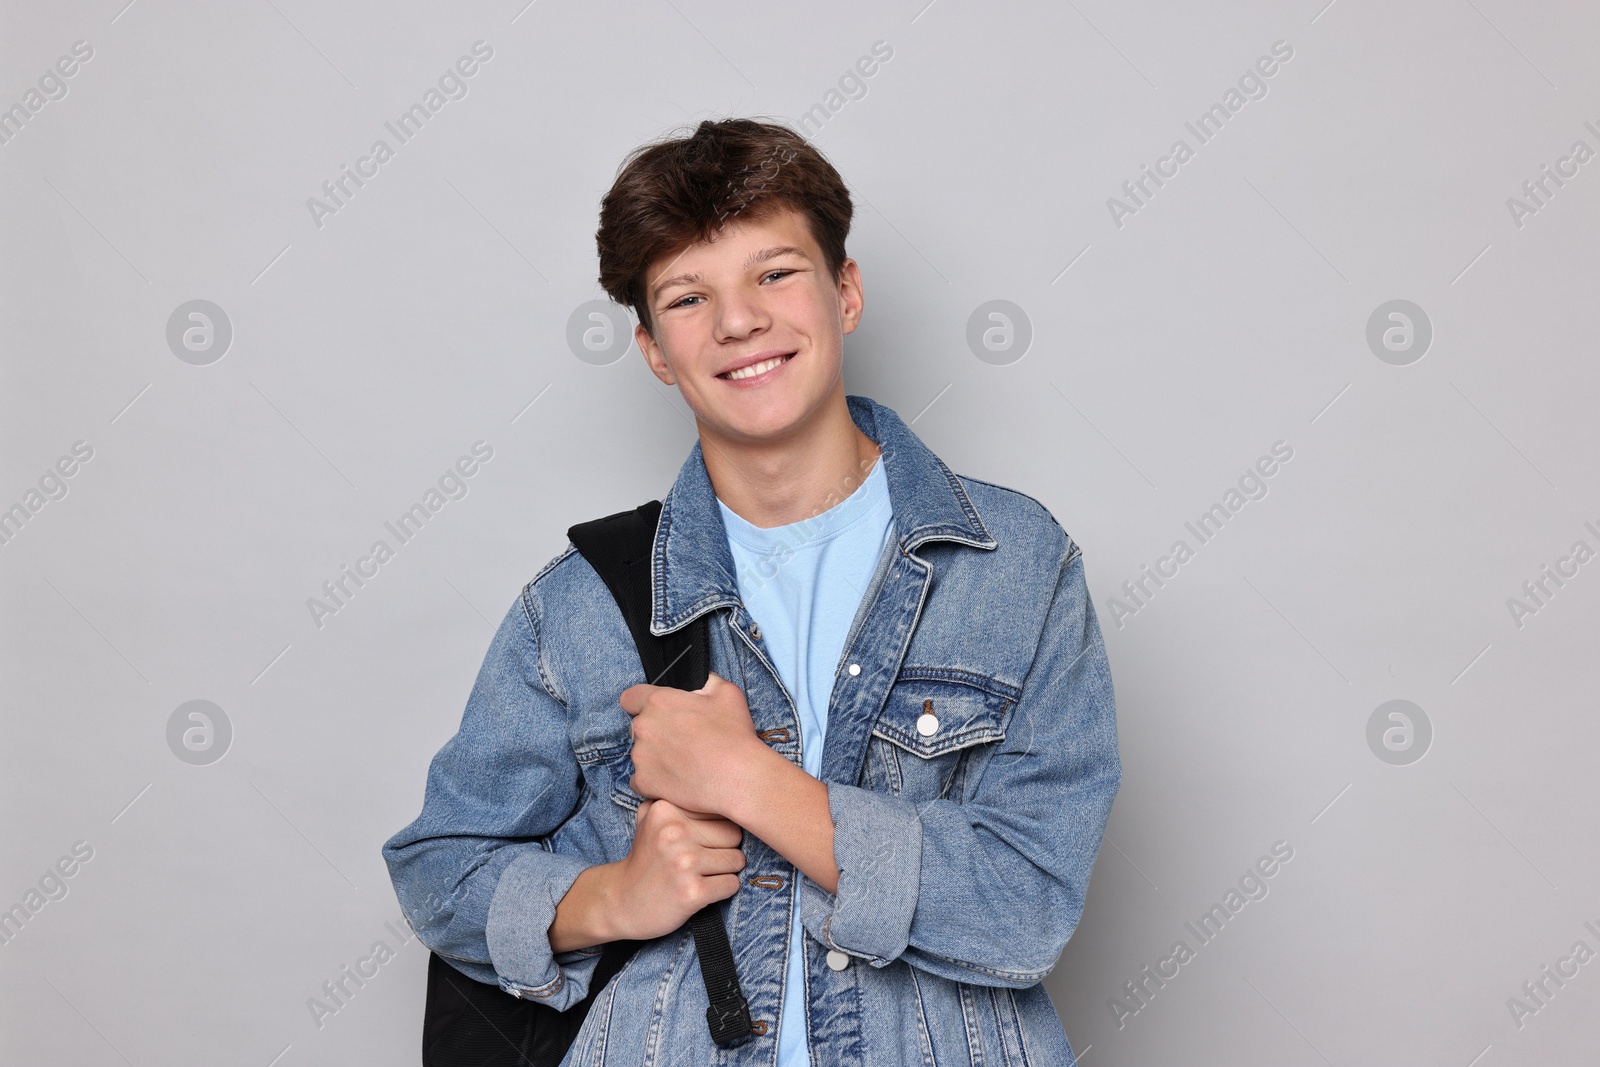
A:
(819, 528)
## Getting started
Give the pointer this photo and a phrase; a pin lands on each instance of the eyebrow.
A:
(761, 256)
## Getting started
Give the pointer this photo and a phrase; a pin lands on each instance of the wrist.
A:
(751, 785)
(585, 915)
(605, 902)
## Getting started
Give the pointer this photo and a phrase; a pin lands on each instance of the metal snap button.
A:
(855, 669)
(927, 722)
(838, 960)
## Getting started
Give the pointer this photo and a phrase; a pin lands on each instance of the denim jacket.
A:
(970, 761)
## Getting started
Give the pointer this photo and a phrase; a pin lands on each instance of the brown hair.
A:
(676, 192)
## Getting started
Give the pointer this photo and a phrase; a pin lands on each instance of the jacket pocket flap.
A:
(618, 763)
(625, 796)
(929, 716)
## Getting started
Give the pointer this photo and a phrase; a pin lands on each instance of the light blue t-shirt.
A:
(802, 583)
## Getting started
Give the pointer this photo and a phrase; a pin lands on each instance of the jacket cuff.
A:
(877, 842)
(518, 931)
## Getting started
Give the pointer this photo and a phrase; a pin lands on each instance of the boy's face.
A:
(758, 291)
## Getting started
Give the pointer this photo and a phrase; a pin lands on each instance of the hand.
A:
(680, 862)
(695, 748)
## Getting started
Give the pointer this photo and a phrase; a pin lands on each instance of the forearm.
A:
(583, 915)
(787, 808)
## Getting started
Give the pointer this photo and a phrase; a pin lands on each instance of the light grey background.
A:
(1230, 312)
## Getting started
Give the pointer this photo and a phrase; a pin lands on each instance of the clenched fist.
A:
(681, 861)
(697, 748)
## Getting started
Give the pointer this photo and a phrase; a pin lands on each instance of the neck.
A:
(775, 482)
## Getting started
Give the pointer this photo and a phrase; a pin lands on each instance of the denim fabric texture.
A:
(970, 760)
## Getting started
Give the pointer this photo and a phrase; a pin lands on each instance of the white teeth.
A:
(756, 368)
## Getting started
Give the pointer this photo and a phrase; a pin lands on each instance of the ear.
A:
(851, 298)
(654, 355)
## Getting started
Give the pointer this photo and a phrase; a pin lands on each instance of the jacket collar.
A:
(692, 571)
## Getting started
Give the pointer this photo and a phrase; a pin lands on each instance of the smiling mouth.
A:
(756, 368)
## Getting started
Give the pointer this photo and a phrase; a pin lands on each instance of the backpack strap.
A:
(619, 548)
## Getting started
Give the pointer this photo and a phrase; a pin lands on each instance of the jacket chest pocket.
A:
(931, 726)
(620, 764)
(610, 768)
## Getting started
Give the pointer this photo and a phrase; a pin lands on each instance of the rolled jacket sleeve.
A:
(474, 873)
(517, 930)
(988, 891)
(877, 842)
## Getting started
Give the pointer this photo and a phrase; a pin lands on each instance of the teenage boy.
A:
(897, 775)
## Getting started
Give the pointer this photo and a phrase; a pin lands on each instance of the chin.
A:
(764, 417)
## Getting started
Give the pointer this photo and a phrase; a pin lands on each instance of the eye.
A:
(680, 302)
(770, 273)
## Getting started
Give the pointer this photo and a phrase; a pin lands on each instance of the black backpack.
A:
(467, 1023)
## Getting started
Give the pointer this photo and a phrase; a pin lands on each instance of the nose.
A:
(739, 316)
